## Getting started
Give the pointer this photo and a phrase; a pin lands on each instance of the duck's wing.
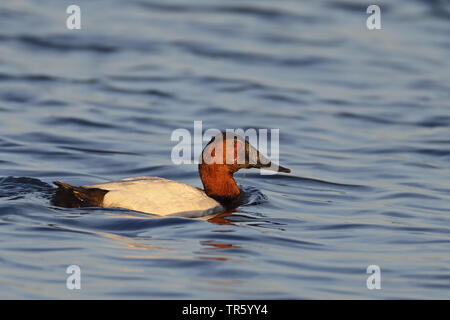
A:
(77, 197)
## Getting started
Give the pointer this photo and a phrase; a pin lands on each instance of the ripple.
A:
(152, 92)
(97, 151)
(363, 119)
(77, 122)
(62, 43)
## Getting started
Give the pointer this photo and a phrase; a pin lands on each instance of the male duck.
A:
(221, 158)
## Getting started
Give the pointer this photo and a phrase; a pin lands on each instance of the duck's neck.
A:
(219, 184)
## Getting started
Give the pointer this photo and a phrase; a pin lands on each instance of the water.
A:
(364, 120)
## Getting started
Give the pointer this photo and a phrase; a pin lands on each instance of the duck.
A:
(223, 156)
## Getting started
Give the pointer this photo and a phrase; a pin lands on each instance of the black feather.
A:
(77, 197)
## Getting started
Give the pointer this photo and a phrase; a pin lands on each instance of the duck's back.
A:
(158, 196)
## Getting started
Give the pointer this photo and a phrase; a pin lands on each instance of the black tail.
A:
(77, 197)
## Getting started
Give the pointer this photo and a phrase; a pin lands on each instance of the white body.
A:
(158, 196)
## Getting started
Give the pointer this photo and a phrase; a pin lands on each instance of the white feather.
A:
(158, 196)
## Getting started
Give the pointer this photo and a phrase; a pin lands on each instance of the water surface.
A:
(364, 120)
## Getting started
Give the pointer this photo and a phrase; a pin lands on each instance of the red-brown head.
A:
(225, 154)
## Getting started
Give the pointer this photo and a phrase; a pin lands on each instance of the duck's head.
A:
(224, 155)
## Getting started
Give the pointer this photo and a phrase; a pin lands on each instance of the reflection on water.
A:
(211, 245)
(364, 121)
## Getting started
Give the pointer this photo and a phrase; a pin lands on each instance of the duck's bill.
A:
(265, 163)
(279, 168)
(274, 167)
(258, 160)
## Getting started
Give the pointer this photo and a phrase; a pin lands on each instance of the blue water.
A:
(364, 120)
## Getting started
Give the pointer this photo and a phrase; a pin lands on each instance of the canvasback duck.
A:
(224, 155)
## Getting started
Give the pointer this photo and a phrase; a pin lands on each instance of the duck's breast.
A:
(158, 196)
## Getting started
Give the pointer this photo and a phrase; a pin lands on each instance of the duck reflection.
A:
(210, 244)
(229, 218)
(211, 247)
(221, 219)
